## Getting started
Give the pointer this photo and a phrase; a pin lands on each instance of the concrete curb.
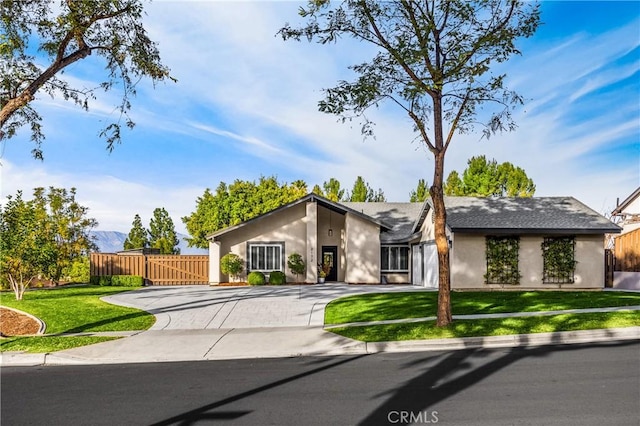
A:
(357, 348)
(508, 341)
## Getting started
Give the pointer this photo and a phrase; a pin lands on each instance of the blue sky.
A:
(245, 105)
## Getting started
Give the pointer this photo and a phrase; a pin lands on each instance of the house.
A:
(546, 242)
(626, 247)
(627, 213)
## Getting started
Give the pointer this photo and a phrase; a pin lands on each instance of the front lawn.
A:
(72, 310)
(391, 306)
(79, 309)
(491, 327)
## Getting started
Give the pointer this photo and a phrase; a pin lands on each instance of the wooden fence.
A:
(627, 252)
(155, 269)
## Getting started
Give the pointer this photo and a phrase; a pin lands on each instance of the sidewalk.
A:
(278, 342)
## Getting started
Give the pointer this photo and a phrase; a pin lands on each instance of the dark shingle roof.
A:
(400, 217)
(525, 215)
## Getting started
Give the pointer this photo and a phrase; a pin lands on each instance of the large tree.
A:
(138, 236)
(27, 244)
(484, 178)
(71, 227)
(45, 235)
(236, 203)
(433, 61)
(162, 233)
(64, 33)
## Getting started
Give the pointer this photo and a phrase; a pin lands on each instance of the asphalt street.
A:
(592, 384)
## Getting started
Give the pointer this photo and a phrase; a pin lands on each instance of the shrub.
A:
(256, 278)
(277, 278)
(127, 280)
(104, 280)
(117, 280)
(78, 271)
(296, 264)
(231, 264)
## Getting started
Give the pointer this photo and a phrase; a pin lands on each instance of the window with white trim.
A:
(265, 257)
(394, 258)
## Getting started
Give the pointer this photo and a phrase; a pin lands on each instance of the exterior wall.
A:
(311, 248)
(399, 277)
(214, 263)
(336, 221)
(427, 231)
(362, 250)
(288, 225)
(468, 263)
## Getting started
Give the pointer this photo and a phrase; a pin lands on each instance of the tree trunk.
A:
(442, 244)
(440, 216)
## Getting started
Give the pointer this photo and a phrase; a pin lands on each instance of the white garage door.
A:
(424, 261)
(430, 265)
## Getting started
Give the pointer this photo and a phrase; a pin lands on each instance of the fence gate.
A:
(155, 269)
(177, 269)
(609, 261)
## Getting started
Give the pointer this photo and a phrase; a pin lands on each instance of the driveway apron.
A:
(200, 307)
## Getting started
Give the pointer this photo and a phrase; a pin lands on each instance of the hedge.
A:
(117, 280)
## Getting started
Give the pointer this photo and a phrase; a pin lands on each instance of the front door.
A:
(330, 257)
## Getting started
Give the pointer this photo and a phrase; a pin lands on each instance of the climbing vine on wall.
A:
(558, 254)
(502, 260)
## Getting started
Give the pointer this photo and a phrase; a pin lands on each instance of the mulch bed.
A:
(15, 324)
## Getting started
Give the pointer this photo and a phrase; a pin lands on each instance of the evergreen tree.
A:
(362, 192)
(137, 237)
(162, 234)
(421, 192)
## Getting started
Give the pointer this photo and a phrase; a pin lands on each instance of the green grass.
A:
(79, 309)
(48, 343)
(491, 327)
(388, 306)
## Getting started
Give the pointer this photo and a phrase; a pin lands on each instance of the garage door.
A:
(425, 265)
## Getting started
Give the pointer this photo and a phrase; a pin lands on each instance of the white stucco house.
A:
(394, 242)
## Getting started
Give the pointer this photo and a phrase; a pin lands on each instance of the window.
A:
(559, 264)
(394, 258)
(502, 260)
(265, 257)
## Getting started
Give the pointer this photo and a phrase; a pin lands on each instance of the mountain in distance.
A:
(113, 241)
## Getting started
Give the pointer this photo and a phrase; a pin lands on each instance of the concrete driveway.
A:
(204, 307)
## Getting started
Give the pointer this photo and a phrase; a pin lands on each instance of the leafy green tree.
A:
(138, 236)
(362, 192)
(421, 192)
(317, 190)
(236, 203)
(453, 185)
(162, 233)
(332, 190)
(27, 243)
(432, 60)
(484, 178)
(515, 182)
(64, 33)
(70, 225)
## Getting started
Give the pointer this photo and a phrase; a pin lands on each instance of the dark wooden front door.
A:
(330, 257)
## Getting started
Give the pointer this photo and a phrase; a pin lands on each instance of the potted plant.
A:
(323, 271)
